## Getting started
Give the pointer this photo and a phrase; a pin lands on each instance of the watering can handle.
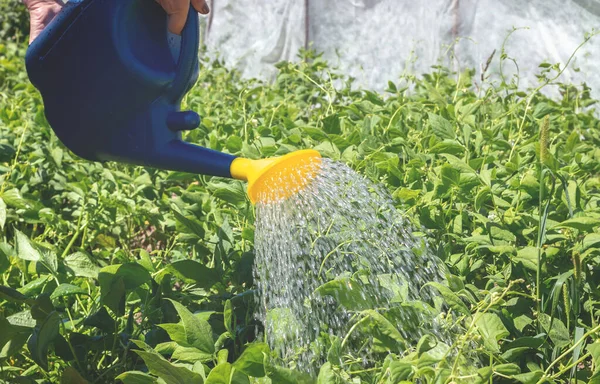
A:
(188, 56)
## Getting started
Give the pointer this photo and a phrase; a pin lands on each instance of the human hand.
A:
(41, 13)
(177, 12)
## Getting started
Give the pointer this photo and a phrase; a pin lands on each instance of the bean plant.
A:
(115, 273)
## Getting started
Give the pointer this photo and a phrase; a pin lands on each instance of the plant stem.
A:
(567, 352)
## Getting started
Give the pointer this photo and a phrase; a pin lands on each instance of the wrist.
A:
(30, 4)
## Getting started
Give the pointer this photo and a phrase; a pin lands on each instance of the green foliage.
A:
(111, 272)
(14, 20)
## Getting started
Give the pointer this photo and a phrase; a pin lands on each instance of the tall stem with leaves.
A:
(543, 208)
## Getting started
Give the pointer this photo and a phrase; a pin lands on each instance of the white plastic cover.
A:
(378, 40)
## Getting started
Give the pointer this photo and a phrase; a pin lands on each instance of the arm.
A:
(41, 13)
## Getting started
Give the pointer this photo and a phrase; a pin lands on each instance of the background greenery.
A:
(116, 272)
(14, 20)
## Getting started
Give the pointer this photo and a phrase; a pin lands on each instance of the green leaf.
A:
(483, 196)
(221, 374)
(251, 361)
(328, 149)
(556, 293)
(451, 298)
(2, 213)
(191, 355)
(556, 329)
(7, 331)
(529, 377)
(112, 292)
(582, 223)
(441, 127)
(80, 264)
(231, 192)
(145, 261)
(491, 329)
(224, 373)
(382, 329)
(42, 307)
(50, 261)
(101, 320)
(25, 249)
(350, 293)
(168, 372)
(528, 257)
(191, 271)
(41, 338)
(327, 375)
(66, 290)
(176, 332)
(331, 124)
(334, 354)
(12, 295)
(449, 175)
(198, 332)
(406, 194)
(136, 377)
(166, 348)
(22, 319)
(234, 144)
(6, 152)
(594, 349)
(399, 371)
(190, 225)
(116, 279)
(542, 109)
(502, 234)
(590, 240)
(5, 252)
(282, 375)
(13, 198)
(452, 147)
(133, 275)
(499, 249)
(579, 331)
(484, 375)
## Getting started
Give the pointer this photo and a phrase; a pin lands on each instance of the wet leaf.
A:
(251, 361)
(451, 298)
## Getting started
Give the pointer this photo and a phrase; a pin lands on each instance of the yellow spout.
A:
(277, 178)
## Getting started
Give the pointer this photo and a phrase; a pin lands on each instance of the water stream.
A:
(332, 258)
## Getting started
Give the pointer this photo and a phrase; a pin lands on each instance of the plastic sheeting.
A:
(379, 40)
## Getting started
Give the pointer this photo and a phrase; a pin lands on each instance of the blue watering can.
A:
(112, 92)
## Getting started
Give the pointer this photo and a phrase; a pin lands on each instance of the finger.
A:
(201, 6)
(176, 22)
